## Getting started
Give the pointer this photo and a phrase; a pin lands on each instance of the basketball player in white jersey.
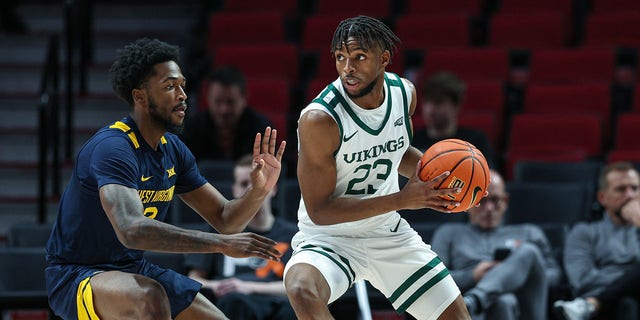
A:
(354, 139)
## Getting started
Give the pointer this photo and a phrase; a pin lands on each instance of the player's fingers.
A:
(256, 145)
(439, 178)
(265, 141)
(283, 144)
(272, 141)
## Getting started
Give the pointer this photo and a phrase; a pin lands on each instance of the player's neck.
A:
(149, 130)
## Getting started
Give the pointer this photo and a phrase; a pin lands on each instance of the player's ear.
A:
(385, 58)
(139, 96)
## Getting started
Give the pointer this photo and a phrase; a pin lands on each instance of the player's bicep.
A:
(122, 206)
(319, 139)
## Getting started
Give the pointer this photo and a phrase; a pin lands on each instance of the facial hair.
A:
(164, 120)
(365, 91)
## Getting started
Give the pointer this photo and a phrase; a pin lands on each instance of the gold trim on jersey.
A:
(126, 129)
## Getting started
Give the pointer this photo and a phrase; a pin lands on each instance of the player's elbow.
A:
(131, 236)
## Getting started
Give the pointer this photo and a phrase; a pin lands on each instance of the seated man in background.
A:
(504, 271)
(225, 130)
(442, 97)
(248, 288)
(597, 254)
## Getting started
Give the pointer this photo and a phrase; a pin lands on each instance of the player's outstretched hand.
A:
(247, 244)
(418, 194)
(266, 161)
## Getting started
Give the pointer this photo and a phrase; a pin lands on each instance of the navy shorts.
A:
(63, 280)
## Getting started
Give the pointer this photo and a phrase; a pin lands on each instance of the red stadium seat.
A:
(620, 29)
(529, 30)
(289, 7)
(572, 65)
(245, 27)
(582, 133)
(469, 64)
(591, 98)
(528, 6)
(377, 9)
(317, 32)
(571, 99)
(269, 95)
(279, 121)
(624, 155)
(542, 137)
(602, 6)
(421, 32)
(469, 7)
(260, 60)
(626, 133)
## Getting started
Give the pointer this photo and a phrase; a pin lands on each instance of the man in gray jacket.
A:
(598, 253)
(504, 271)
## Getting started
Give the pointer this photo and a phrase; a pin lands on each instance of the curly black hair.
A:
(134, 65)
(370, 32)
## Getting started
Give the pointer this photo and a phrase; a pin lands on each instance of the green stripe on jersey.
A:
(350, 274)
(413, 279)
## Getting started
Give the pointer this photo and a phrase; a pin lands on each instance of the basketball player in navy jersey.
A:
(354, 140)
(123, 182)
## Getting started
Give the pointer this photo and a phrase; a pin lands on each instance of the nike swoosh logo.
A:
(474, 195)
(143, 178)
(345, 138)
(396, 227)
(398, 122)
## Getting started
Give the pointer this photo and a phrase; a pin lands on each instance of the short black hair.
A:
(228, 76)
(444, 86)
(134, 64)
(368, 31)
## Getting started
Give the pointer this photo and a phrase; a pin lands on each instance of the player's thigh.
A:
(201, 308)
(115, 293)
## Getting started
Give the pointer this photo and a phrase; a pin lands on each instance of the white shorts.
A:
(398, 263)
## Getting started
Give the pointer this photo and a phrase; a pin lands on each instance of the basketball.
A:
(467, 165)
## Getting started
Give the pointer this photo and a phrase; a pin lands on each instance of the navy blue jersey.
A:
(117, 154)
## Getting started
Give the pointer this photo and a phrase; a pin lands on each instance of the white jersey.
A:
(372, 144)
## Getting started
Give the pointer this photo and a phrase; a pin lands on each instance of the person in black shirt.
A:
(226, 129)
(442, 96)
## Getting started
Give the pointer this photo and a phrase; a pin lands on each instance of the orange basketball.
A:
(468, 167)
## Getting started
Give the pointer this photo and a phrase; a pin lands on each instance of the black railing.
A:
(48, 135)
(78, 20)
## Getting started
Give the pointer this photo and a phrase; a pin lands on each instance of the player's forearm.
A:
(343, 209)
(237, 213)
(151, 235)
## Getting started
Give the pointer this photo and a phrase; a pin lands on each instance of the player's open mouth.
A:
(180, 110)
(351, 82)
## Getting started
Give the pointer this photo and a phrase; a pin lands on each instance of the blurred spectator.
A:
(248, 288)
(598, 253)
(442, 97)
(227, 128)
(504, 271)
